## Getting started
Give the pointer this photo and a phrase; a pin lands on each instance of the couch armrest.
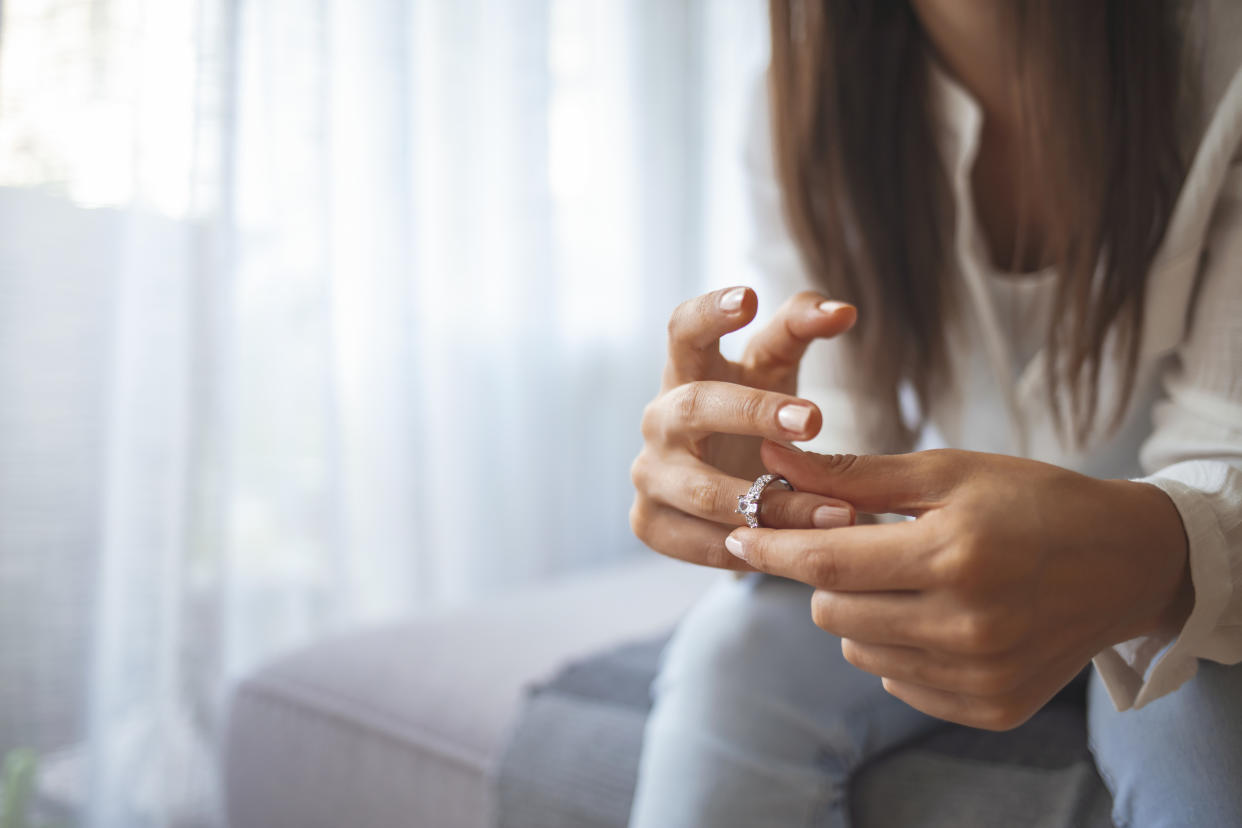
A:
(401, 724)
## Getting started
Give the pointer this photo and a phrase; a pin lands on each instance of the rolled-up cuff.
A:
(1127, 669)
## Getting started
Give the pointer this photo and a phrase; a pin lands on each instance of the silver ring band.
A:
(748, 504)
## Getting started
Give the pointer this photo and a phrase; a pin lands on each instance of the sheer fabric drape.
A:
(313, 313)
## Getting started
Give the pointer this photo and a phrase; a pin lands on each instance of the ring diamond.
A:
(748, 504)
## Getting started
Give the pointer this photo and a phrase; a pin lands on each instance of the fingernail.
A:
(794, 417)
(830, 517)
(832, 306)
(732, 300)
(735, 547)
(788, 446)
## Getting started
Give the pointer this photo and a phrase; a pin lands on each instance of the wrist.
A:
(1162, 552)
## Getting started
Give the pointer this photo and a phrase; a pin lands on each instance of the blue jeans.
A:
(759, 720)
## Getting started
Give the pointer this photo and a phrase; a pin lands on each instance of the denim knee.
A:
(1176, 761)
(758, 717)
(742, 638)
(729, 742)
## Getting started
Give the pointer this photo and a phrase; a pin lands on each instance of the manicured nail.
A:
(832, 306)
(735, 547)
(830, 517)
(732, 300)
(794, 417)
(788, 446)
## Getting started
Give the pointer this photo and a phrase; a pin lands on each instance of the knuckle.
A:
(649, 426)
(996, 680)
(965, 565)
(715, 555)
(975, 683)
(785, 510)
(974, 634)
(1001, 715)
(982, 633)
(982, 680)
(640, 519)
(1011, 624)
(985, 685)
(821, 611)
(827, 616)
(687, 401)
(678, 320)
(704, 495)
(825, 569)
(942, 567)
(943, 468)
(961, 560)
(855, 654)
(840, 463)
(941, 460)
(638, 472)
(751, 407)
(690, 316)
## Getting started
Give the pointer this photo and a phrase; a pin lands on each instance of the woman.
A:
(1036, 208)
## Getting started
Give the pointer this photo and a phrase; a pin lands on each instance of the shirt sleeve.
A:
(780, 273)
(1194, 455)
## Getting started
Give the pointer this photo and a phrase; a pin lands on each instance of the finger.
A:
(907, 484)
(929, 620)
(994, 713)
(1003, 711)
(777, 349)
(902, 619)
(974, 676)
(695, 409)
(933, 619)
(855, 558)
(695, 328)
(908, 619)
(700, 490)
(949, 706)
(682, 536)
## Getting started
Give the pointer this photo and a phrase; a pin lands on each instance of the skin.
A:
(702, 433)
(1012, 576)
(970, 39)
(1013, 573)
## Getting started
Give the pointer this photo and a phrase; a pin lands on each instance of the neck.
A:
(973, 39)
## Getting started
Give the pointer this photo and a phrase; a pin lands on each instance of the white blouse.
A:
(1183, 427)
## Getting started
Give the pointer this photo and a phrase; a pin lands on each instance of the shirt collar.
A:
(958, 118)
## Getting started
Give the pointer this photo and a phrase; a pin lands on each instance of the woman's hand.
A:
(702, 433)
(1012, 577)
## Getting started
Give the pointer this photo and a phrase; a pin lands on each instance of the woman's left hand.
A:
(1013, 576)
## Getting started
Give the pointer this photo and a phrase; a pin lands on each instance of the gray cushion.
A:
(573, 757)
(400, 725)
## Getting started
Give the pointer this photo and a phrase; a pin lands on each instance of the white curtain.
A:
(318, 311)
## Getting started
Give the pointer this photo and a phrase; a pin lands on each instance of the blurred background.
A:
(319, 312)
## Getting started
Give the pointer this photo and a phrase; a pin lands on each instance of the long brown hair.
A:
(866, 200)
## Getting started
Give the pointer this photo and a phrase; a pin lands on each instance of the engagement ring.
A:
(748, 504)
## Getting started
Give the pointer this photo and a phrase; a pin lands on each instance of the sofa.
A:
(526, 710)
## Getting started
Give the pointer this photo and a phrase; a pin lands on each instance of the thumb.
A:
(776, 350)
(907, 484)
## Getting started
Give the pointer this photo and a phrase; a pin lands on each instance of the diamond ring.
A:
(748, 504)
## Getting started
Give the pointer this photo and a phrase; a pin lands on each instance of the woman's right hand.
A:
(702, 433)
